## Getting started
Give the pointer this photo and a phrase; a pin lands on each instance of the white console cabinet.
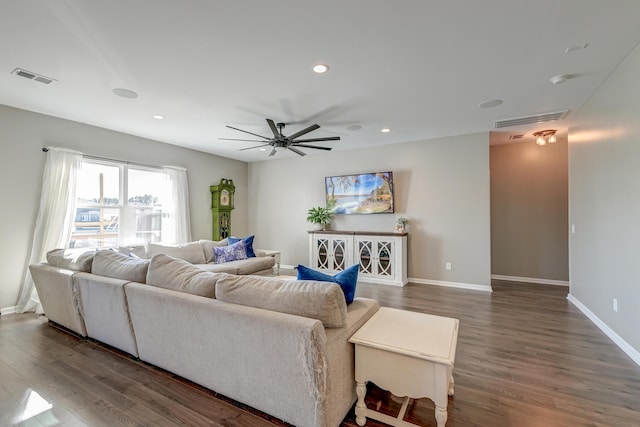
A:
(382, 257)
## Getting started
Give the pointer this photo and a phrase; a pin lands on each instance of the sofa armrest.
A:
(259, 252)
(58, 296)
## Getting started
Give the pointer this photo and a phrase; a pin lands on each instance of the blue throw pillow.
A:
(230, 253)
(347, 279)
(248, 244)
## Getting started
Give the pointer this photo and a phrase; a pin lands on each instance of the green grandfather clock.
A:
(221, 207)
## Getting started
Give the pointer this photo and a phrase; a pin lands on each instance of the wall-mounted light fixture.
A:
(545, 136)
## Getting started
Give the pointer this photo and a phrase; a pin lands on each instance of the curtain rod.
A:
(86, 156)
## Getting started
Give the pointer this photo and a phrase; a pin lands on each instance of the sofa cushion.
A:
(251, 265)
(347, 279)
(234, 252)
(227, 267)
(119, 266)
(179, 275)
(248, 244)
(191, 251)
(79, 259)
(303, 298)
(207, 247)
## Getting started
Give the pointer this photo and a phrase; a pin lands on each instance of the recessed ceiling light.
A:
(125, 93)
(158, 117)
(560, 78)
(320, 68)
(263, 149)
(385, 130)
(354, 127)
(490, 104)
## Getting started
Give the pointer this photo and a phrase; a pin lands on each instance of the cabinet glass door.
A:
(364, 256)
(322, 246)
(384, 251)
(339, 254)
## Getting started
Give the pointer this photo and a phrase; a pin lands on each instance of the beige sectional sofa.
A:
(280, 346)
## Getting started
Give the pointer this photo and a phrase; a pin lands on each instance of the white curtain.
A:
(54, 223)
(178, 228)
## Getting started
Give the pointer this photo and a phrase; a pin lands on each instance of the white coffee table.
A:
(409, 354)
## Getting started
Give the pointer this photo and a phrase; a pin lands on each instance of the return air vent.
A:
(520, 136)
(33, 76)
(546, 117)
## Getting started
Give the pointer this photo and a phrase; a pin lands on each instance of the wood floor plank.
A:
(525, 357)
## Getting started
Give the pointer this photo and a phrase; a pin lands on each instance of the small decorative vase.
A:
(400, 228)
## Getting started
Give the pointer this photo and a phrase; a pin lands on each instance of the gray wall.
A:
(529, 210)
(23, 134)
(604, 202)
(441, 185)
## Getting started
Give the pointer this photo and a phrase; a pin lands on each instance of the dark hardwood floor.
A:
(525, 357)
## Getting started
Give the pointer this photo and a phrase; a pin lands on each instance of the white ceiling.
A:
(420, 67)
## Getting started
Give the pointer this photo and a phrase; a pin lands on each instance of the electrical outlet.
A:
(615, 305)
(447, 266)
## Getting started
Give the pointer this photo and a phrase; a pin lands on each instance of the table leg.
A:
(451, 384)
(441, 415)
(361, 407)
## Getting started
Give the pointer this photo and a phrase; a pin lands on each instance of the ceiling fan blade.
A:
(312, 146)
(295, 150)
(303, 131)
(272, 152)
(246, 140)
(329, 138)
(251, 148)
(246, 131)
(274, 129)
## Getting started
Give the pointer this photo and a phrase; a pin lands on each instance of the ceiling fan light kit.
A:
(545, 136)
(279, 140)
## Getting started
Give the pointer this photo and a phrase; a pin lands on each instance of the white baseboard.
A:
(470, 286)
(530, 280)
(617, 339)
(7, 310)
(287, 266)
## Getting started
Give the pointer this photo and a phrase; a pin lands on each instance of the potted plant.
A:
(320, 216)
(401, 224)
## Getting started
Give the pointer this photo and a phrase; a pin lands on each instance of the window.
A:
(119, 204)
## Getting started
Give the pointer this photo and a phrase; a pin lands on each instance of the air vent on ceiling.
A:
(32, 76)
(546, 117)
(520, 136)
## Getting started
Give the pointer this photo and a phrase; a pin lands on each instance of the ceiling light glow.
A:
(158, 117)
(385, 130)
(320, 68)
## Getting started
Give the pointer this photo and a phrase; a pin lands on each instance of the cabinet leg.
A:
(451, 384)
(361, 407)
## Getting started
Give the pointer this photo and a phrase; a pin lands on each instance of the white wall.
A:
(441, 185)
(604, 202)
(22, 136)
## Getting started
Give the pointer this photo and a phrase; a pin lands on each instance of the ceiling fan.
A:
(279, 140)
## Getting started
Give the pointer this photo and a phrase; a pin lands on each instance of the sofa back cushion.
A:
(316, 300)
(191, 252)
(72, 259)
(179, 275)
(207, 247)
(119, 266)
